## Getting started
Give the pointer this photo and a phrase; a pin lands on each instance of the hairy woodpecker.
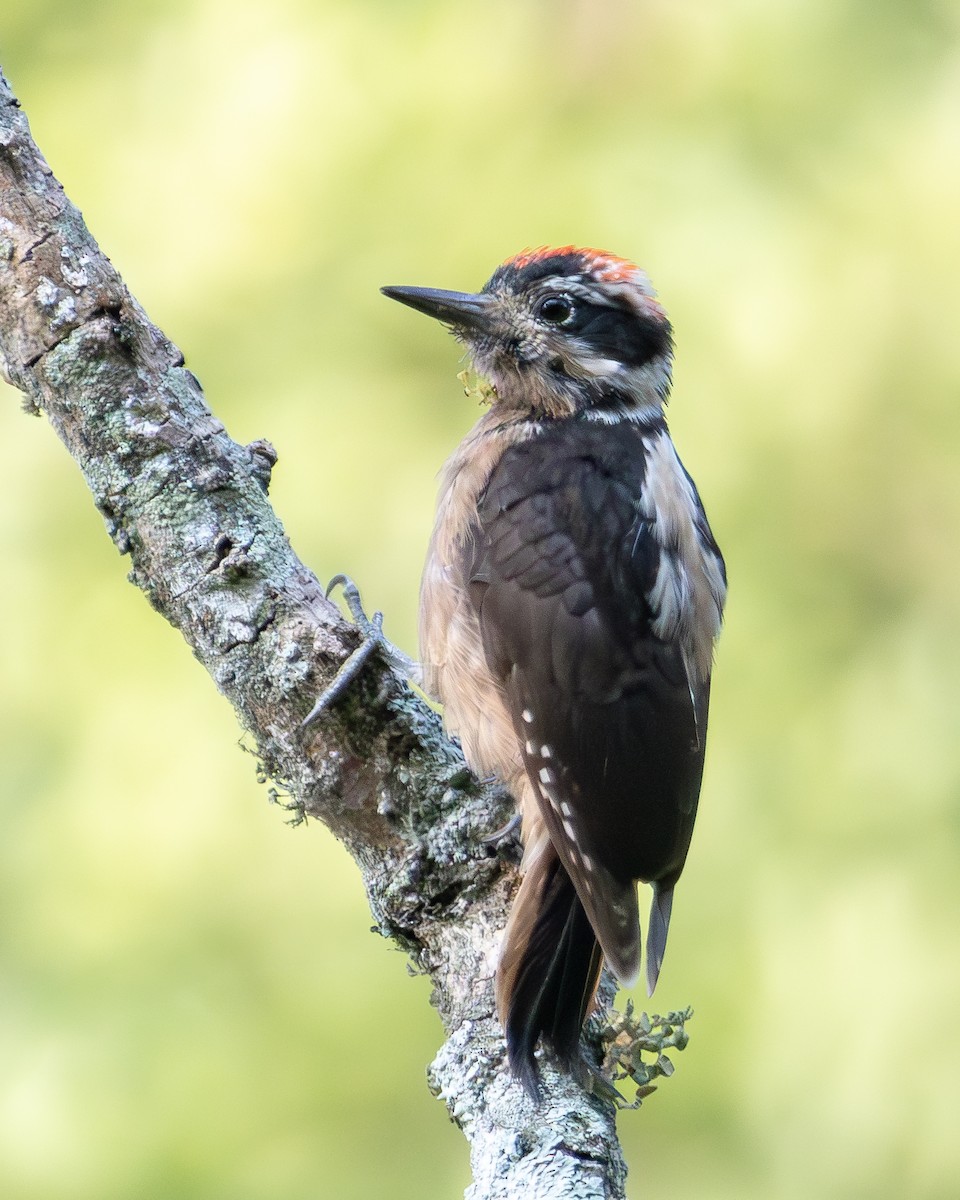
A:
(571, 599)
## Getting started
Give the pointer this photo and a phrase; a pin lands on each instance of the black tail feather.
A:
(555, 982)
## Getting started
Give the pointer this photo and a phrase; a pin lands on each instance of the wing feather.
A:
(563, 580)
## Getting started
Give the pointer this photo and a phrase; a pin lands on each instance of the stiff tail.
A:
(660, 911)
(549, 967)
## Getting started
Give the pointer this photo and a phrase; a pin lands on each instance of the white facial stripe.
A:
(638, 415)
(587, 362)
(576, 288)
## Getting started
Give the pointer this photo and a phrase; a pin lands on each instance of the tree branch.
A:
(189, 506)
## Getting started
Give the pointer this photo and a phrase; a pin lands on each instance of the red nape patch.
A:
(599, 263)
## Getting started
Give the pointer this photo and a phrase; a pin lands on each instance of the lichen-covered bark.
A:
(189, 506)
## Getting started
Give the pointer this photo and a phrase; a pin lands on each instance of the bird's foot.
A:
(373, 639)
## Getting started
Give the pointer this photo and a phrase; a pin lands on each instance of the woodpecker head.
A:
(562, 332)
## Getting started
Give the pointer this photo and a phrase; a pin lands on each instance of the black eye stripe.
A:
(620, 333)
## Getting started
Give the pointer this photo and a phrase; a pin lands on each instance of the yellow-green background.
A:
(190, 1002)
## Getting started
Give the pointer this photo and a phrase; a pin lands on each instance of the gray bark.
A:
(189, 506)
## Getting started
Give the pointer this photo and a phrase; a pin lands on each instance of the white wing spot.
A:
(531, 748)
(588, 864)
(571, 833)
(546, 775)
(527, 716)
(566, 809)
(546, 752)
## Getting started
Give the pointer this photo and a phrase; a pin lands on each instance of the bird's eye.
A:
(556, 309)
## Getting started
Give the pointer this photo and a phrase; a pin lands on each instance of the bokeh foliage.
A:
(190, 1004)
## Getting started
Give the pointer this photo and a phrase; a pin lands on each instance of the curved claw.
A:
(496, 839)
(351, 594)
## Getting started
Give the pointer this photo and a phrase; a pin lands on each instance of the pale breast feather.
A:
(455, 668)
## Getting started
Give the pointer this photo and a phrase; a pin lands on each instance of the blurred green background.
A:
(190, 1002)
